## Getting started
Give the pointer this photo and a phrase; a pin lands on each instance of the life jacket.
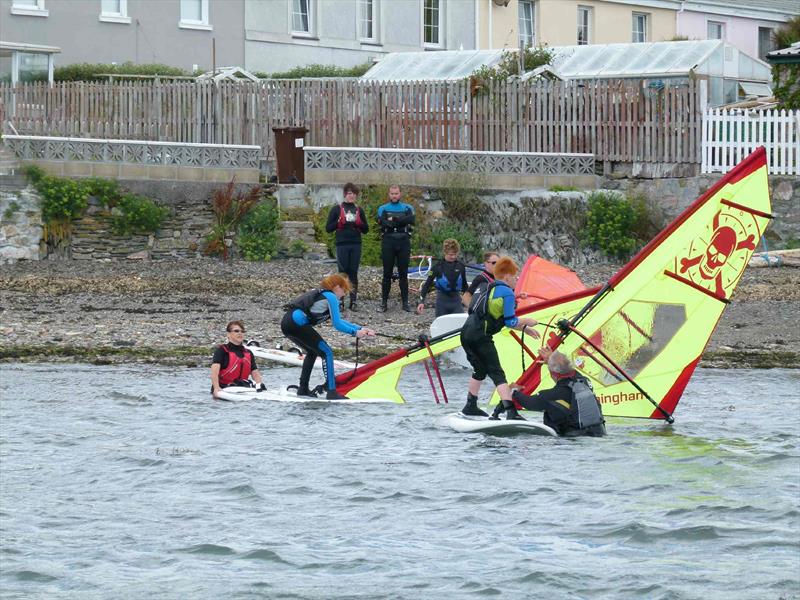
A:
(584, 409)
(446, 284)
(490, 323)
(238, 368)
(343, 218)
(305, 301)
(480, 291)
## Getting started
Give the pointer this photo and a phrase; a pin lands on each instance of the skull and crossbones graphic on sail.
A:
(716, 259)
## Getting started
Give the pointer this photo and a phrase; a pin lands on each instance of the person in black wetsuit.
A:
(395, 219)
(570, 407)
(482, 280)
(494, 310)
(449, 275)
(350, 223)
(310, 309)
(233, 364)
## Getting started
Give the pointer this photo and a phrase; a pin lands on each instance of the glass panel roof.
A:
(657, 59)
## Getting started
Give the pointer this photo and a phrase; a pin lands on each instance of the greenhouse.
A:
(731, 74)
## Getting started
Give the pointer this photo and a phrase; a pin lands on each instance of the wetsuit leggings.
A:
(395, 250)
(348, 258)
(482, 355)
(448, 303)
(311, 342)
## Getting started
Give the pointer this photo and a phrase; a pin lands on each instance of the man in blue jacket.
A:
(395, 219)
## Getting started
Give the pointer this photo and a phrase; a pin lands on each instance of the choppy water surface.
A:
(126, 482)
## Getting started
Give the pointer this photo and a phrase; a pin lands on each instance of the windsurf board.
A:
(469, 424)
(282, 394)
(293, 357)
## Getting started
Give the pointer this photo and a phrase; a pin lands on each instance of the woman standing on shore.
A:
(350, 223)
(310, 309)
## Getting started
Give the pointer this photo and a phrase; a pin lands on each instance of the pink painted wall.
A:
(739, 31)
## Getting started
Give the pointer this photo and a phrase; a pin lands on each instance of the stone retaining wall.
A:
(20, 225)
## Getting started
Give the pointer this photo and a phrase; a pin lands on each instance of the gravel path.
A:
(175, 312)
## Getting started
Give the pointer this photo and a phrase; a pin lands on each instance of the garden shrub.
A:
(91, 72)
(137, 214)
(258, 233)
(609, 223)
(62, 199)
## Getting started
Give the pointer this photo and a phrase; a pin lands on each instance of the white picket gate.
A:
(730, 135)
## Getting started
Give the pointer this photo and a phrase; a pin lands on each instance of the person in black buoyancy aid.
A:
(494, 309)
(233, 364)
(482, 280)
(350, 223)
(449, 276)
(571, 407)
(396, 219)
(310, 309)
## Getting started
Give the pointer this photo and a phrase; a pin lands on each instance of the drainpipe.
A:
(489, 4)
(477, 26)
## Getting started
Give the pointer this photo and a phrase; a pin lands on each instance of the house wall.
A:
(152, 36)
(739, 31)
(504, 25)
(612, 23)
(270, 46)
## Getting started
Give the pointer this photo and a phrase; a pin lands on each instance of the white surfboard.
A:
(293, 358)
(469, 424)
(282, 394)
(446, 324)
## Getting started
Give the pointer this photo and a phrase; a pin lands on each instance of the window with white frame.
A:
(194, 14)
(639, 32)
(525, 19)
(715, 30)
(31, 8)
(367, 20)
(302, 17)
(584, 25)
(114, 11)
(432, 23)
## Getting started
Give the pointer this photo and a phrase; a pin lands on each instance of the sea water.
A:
(130, 482)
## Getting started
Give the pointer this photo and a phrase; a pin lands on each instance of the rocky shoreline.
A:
(174, 312)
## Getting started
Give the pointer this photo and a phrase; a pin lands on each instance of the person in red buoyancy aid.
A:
(350, 223)
(233, 364)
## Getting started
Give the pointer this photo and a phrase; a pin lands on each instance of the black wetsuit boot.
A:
(471, 407)
(511, 411)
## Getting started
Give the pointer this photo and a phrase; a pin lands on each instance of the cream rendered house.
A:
(509, 23)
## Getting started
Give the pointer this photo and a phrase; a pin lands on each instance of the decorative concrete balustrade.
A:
(496, 170)
(134, 159)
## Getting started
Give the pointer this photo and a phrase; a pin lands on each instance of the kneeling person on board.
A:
(312, 308)
(494, 310)
(571, 407)
(233, 364)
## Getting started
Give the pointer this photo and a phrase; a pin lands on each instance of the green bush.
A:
(11, 209)
(459, 194)
(33, 173)
(62, 199)
(137, 214)
(91, 72)
(317, 70)
(438, 232)
(105, 190)
(508, 66)
(609, 223)
(258, 232)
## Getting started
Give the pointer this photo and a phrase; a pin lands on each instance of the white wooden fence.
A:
(730, 135)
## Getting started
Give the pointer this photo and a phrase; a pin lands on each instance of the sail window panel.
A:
(632, 337)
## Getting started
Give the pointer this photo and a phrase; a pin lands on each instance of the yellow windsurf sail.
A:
(639, 337)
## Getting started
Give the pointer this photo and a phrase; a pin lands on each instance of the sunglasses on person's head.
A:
(237, 330)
